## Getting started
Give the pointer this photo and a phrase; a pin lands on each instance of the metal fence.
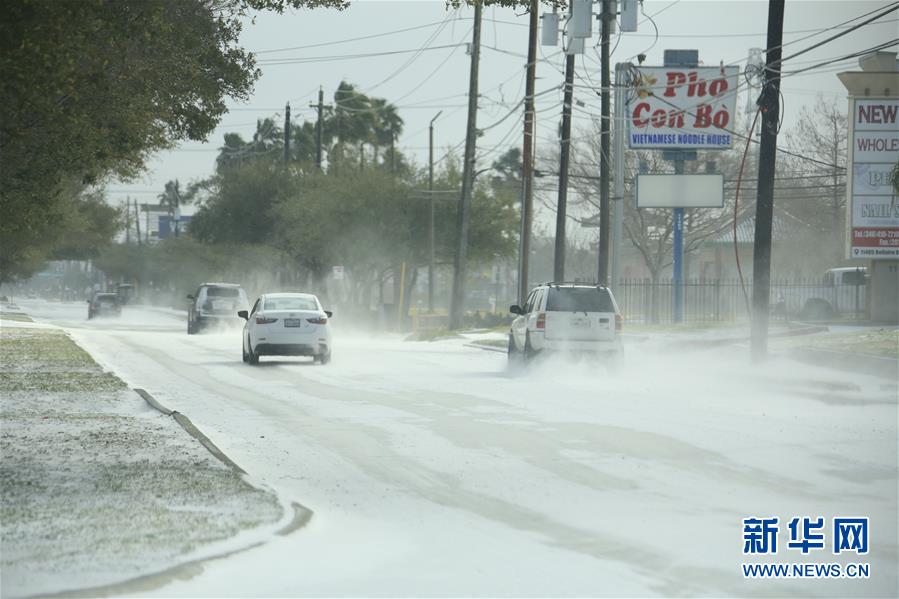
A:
(714, 300)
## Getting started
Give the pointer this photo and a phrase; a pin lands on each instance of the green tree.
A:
(92, 88)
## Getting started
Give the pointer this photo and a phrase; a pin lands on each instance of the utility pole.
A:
(527, 157)
(127, 221)
(620, 133)
(431, 213)
(457, 303)
(137, 220)
(769, 102)
(287, 133)
(603, 270)
(318, 127)
(565, 153)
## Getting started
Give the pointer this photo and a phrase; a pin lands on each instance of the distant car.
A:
(215, 304)
(566, 317)
(103, 304)
(286, 324)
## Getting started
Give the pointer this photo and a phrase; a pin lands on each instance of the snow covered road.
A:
(432, 470)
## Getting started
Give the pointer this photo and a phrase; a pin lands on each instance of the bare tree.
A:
(819, 185)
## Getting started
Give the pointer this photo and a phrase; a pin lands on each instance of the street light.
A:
(431, 225)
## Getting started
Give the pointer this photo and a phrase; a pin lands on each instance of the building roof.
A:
(781, 228)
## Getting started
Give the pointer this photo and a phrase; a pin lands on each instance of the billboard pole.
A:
(678, 270)
(679, 58)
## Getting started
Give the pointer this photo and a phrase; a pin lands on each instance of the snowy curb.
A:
(487, 347)
(302, 514)
(719, 342)
(194, 432)
(887, 368)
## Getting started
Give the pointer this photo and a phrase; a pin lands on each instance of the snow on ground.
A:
(96, 486)
(433, 470)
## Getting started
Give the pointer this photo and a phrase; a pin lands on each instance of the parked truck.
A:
(841, 293)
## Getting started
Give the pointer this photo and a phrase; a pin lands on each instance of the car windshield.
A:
(290, 303)
(223, 291)
(579, 299)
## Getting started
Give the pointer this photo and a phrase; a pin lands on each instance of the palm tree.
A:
(387, 127)
(232, 152)
(170, 199)
(351, 119)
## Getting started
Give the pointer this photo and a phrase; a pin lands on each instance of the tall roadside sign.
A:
(680, 108)
(872, 205)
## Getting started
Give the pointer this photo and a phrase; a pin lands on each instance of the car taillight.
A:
(318, 320)
(541, 320)
(263, 320)
(619, 322)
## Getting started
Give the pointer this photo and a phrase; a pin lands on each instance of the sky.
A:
(414, 55)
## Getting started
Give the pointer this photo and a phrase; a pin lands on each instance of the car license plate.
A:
(582, 323)
(293, 322)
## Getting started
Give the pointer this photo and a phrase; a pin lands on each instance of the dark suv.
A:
(215, 303)
(103, 304)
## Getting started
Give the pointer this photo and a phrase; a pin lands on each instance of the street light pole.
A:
(431, 215)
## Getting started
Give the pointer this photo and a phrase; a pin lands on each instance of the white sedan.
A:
(286, 324)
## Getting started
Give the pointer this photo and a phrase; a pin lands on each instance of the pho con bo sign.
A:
(872, 206)
(683, 108)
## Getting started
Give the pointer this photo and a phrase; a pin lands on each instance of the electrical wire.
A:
(736, 205)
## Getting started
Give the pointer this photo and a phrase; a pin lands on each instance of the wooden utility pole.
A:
(527, 156)
(605, 145)
(457, 303)
(287, 133)
(565, 153)
(769, 103)
(318, 127)
(128, 221)
(137, 221)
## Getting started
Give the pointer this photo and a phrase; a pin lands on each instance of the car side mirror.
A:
(329, 313)
(190, 297)
(516, 309)
(88, 301)
(243, 314)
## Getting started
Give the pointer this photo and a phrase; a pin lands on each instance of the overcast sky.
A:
(314, 48)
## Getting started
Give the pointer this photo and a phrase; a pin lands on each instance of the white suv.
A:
(566, 317)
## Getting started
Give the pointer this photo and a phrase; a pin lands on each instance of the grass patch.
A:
(93, 486)
(882, 343)
(15, 317)
(48, 360)
(431, 335)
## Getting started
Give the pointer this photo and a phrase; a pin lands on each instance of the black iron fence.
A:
(714, 300)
